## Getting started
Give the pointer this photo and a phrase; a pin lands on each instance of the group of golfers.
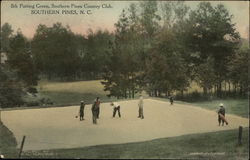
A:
(116, 109)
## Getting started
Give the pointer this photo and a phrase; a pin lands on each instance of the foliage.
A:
(6, 33)
(238, 70)
(160, 47)
(10, 88)
(20, 60)
(166, 70)
(97, 52)
(214, 40)
(54, 51)
(18, 75)
(8, 143)
(121, 73)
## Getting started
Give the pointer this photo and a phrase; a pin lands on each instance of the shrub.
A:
(32, 103)
(192, 97)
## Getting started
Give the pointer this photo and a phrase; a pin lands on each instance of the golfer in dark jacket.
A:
(171, 100)
(81, 111)
(94, 110)
(221, 111)
(97, 104)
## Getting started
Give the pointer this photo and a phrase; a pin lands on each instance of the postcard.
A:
(124, 79)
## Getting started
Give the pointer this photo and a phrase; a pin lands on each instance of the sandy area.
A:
(51, 128)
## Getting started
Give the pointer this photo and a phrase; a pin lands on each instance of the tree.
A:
(20, 60)
(97, 53)
(10, 88)
(173, 13)
(205, 75)
(166, 70)
(55, 51)
(6, 33)
(149, 21)
(18, 75)
(212, 36)
(238, 70)
(121, 73)
(149, 18)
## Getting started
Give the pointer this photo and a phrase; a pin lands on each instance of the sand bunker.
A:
(52, 128)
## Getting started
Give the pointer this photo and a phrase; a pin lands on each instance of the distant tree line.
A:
(159, 47)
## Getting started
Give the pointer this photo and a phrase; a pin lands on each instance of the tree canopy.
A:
(159, 47)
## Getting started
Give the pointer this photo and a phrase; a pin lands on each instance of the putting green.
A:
(51, 128)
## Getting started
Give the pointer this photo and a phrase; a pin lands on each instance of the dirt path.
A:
(51, 128)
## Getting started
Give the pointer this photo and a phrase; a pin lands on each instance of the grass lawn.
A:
(71, 93)
(238, 107)
(214, 145)
(7, 142)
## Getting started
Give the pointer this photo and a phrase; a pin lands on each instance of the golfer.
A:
(95, 110)
(97, 105)
(171, 99)
(116, 109)
(81, 111)
(221, 111)
(140, 104)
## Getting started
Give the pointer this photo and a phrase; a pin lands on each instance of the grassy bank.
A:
(71, 93)
(239, 107)
(214, 145)
(8, 142)
(234, 106)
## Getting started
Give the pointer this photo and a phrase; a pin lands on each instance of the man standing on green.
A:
(95, 110)
(171, 99)
(81, 111)
(221, 115)
(140, 104)
(97, 103)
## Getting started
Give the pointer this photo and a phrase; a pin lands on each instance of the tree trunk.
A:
(133, 93)
(235, 89)
(204, 91)
(168, 93)
(241, 90)
(159, 93)
(219, 89)
(155, 92)
(225, 88)
(125, 94)
(49, 76)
